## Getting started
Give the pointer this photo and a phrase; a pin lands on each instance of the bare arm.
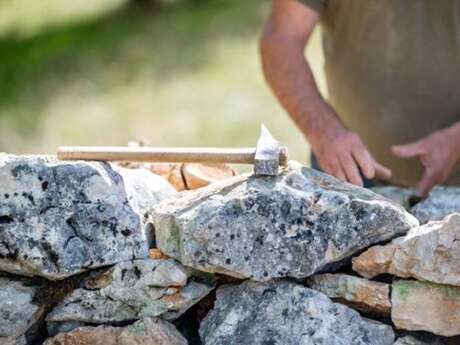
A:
(286, 69)
(339, 151)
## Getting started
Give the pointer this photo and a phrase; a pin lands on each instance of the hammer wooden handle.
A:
(149, 154)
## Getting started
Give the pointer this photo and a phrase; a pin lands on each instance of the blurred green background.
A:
(185, 73)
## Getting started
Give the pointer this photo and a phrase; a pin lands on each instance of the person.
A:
(393, 74)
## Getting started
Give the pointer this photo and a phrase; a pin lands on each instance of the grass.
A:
(184, 75)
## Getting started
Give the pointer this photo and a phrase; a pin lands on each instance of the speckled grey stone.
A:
(60, 218)
(130, 291)
(13, 341)
(18, 311)
(292, 225)
(284, 313)
(441, 202)
(403, 196)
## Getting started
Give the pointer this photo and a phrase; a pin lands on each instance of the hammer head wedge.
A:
(267, 155)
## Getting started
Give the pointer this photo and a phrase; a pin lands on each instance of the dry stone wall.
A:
(93, 253)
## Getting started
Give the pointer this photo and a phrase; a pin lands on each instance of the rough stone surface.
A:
(169, 171)
(172, 172)
(60, 218)
(441, 202)
(284, 313)
(200, 175)
(358, 293)
(410, 340)
(13, 341)
(176, 179)
(131, 291)
(402, 196)
(292, 225)
(18, 311)
(430, 252)
(421, 306)
(186, 176)
(150, 331)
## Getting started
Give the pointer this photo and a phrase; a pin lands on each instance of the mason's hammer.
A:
(267, 156)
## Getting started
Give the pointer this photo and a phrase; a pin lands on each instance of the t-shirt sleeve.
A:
(317, 5)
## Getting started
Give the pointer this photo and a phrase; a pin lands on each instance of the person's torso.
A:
(393, 72)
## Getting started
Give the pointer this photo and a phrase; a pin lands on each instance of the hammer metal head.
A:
(267, 156)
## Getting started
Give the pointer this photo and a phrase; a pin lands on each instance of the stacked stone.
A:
(75, 241)
(98, 254)
(427, 259)
(292, 239)
(186, 176)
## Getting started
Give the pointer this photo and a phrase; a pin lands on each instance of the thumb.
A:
(409, 150)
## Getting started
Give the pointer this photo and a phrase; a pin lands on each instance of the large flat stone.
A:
(130, 291)
(284, 313)
(441, 202)
(60, 218)
(421, 306)
(358, 293)
(292, 225)
(430, 252)
(150, 331)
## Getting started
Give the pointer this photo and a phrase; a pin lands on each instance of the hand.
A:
(439, 153)
(342, 154)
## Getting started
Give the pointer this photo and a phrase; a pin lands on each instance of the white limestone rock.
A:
(61, 218)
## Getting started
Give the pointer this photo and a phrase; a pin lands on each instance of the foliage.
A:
(185, 74)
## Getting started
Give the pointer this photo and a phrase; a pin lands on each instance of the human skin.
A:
(339, 151)
(439, 153)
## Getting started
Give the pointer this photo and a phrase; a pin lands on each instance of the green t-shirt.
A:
(393, 72)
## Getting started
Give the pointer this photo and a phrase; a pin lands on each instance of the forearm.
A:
(289, 75)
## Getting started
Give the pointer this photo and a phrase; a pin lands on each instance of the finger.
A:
(410, 150)
(336, 170)
(351, 170)
(381, 171)
(340, 174)
(364, 160)
(333, 167)
(429, 179)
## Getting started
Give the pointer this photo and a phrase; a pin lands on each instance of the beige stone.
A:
(186, 176)
(422, 306)
(355, 292)
(374, 261)
(145, 332)
(430, 252)
(157, 254)
(201, 175)
(183, 176)
(169, 171)
(177, 179)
